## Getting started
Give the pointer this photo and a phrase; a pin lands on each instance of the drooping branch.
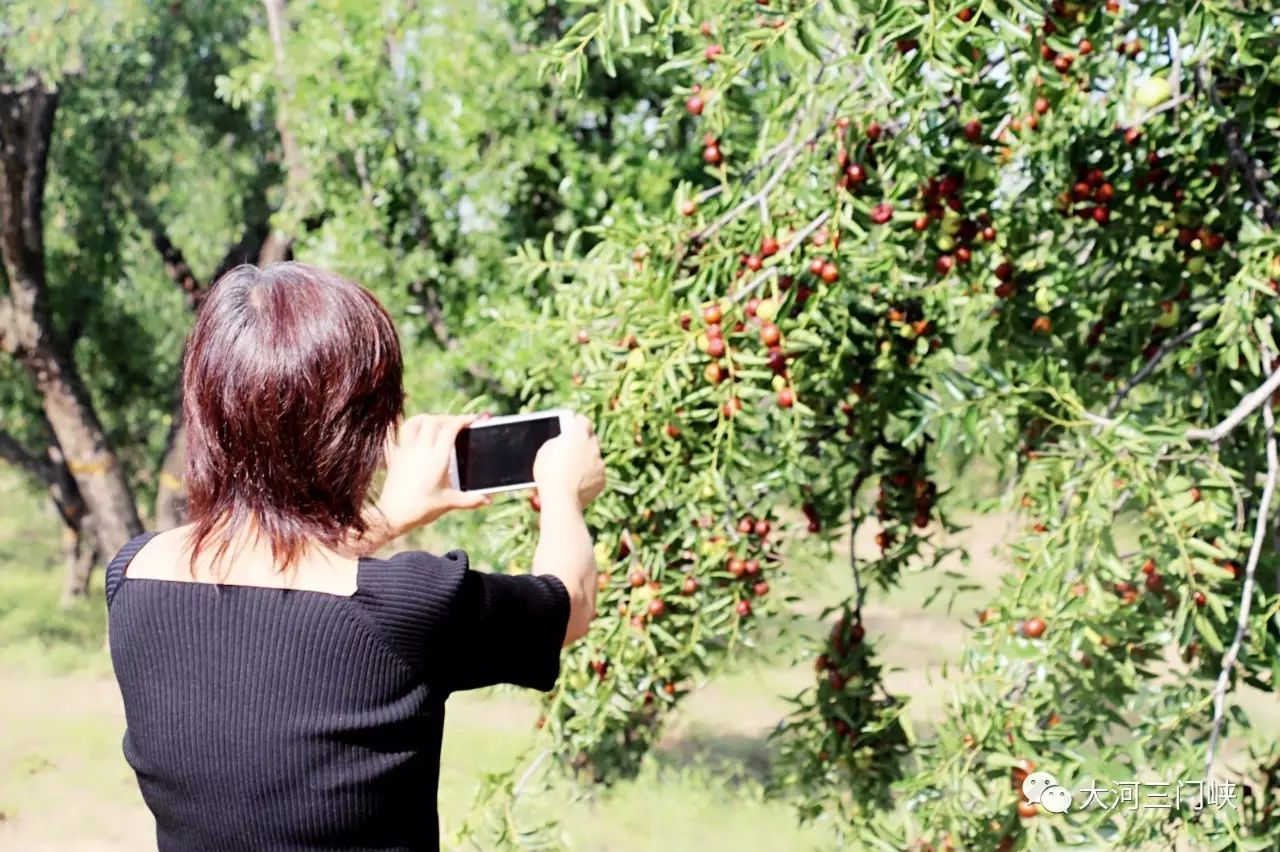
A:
(1247, 405)
(1102, 421)
(12, 452)
(1246, 589)
(51, 471)
(1148, 368)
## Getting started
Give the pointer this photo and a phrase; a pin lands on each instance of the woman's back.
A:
(282, 690)
(272, 718)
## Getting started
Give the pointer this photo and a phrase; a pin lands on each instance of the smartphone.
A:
(497, 454)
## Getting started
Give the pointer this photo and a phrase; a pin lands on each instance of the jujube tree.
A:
(1039, 234)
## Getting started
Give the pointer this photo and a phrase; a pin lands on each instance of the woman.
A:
(283, 689)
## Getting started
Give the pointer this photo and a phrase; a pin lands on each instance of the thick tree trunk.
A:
(26, 124)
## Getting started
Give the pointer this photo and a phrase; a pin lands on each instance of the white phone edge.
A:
(561, 413)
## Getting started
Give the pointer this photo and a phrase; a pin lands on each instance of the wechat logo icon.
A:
(1042, 789)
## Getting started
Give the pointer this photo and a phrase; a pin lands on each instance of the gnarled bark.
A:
(26, 124)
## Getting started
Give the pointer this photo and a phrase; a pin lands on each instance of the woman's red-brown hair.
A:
(291, 383)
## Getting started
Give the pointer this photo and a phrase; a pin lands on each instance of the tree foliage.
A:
(1043, 235)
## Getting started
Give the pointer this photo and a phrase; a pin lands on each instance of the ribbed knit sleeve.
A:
(505, 629)
(464, 629)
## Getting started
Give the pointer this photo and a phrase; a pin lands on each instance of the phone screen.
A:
(502, 455)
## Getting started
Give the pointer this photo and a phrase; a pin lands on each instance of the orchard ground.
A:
(64, 784)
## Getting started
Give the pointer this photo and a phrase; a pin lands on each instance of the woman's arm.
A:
(378, 532)
(569, 474)
(417, 488)
(565, 552)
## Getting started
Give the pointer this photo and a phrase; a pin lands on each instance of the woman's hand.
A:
(417, 489)
(569, 465)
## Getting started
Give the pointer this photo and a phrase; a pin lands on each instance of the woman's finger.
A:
(450, 426)
(412, 428)
(468, 499)
(456, 423)
(431, 432)
(579, 425)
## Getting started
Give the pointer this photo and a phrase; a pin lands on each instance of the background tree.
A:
(421, 158)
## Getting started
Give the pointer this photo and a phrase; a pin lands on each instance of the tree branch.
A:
(1246, 590)
(51, 471)
(1102, 421)
(791, 246)
(1249, 404)
(785, 144)
(864, 473)
(788, 160)
(248, 249)
(1239, 159)
(1149, 367)
(29, 463)
(789, 156)
(175, 261)
(750, 173)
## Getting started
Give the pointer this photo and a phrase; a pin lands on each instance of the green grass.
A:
(34, 629)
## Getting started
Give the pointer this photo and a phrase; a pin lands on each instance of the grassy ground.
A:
(64, 784)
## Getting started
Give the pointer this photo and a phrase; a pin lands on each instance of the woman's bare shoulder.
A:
(159, 557)
(244, 562)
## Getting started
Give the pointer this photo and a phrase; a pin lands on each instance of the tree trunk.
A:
(171, 495)
(279, 244)
(26, 124)
(80, 549)
(79, 553)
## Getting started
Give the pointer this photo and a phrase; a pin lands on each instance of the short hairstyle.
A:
(292, 381)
